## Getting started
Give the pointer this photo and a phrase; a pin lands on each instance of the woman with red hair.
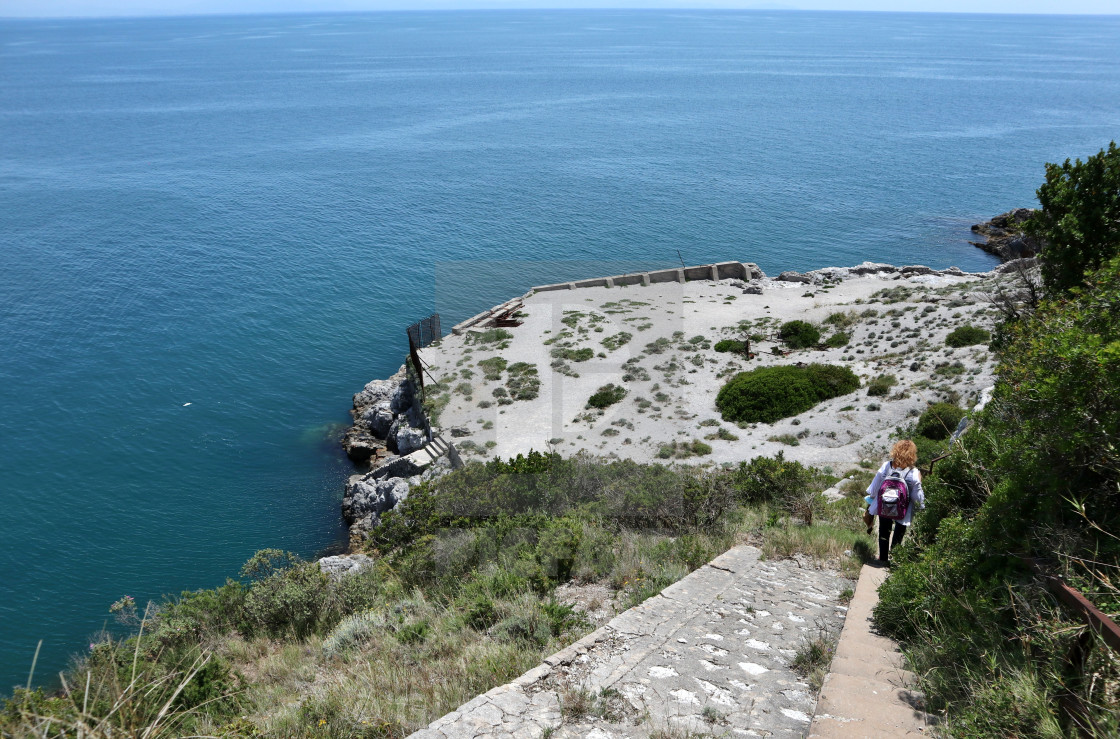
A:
(900, 467)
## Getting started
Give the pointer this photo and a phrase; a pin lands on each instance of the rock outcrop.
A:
(1004, 236)
(340, 565)
(387, 421)
(836, 274)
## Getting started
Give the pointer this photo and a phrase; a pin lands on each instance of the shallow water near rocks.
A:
(214, 230)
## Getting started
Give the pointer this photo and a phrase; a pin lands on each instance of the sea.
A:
(215, 230)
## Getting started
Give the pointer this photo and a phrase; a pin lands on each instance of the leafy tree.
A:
(1080, 218)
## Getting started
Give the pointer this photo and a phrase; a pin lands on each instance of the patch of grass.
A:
(524, 382)
(881, 385)
(842, 320)
(722, 434)
(616, 341)
(814, 656)
(788, 439)
(574, 355)
(954, 369)
(490, 336)
(492, 368)
(683, 449)
(838, 340)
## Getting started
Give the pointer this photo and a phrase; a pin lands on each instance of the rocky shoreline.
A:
(1004, 236)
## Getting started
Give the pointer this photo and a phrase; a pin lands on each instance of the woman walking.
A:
(895, 493)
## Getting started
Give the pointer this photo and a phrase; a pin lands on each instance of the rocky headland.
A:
(507, 390)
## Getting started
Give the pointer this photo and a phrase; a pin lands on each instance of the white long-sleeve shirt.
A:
(913, 480)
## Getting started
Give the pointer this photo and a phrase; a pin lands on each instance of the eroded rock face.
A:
(366, 495)
(1005, 237)
(386, 420)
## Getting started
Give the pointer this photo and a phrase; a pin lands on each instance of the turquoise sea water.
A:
(242, 214)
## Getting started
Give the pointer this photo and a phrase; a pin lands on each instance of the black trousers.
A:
(886, 541)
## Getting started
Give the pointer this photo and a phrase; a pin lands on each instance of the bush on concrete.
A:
(768, 394)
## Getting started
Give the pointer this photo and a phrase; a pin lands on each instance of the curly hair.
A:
(904, 454)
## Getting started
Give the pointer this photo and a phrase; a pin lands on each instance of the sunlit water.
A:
(214, 231)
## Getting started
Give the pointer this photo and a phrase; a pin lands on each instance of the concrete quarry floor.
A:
(711, 656)
(658, 343)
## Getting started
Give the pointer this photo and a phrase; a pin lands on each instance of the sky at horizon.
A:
(115, 8)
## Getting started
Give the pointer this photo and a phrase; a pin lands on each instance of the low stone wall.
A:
(720, 271)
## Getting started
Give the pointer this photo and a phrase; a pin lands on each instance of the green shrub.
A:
(881, 385)
(938, 421)
(768, 394)
(842, 320)
(491, 336)
(288, 601)
(493, 367)
(731, 345)
(799, 334)
(837, 340)
(574, 355)
(606, 395)
(787, 484)
(523, 382)
(1077, 221)
(967, 335)
(615, 341)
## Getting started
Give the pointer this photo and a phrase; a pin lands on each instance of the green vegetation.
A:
(498, 336)
(1037, 476)
(606, 395)
(616, 341)
(967, 335)
(838, 340)
(721, 434)
(574, 355)
(1079, 222)
(492, 368)
(683, 449)
(731, 345)
(459, 599)
(938, 421)
(881, 385)
(524, 383)
(768, 394)
(787, 439)
(842, 321)
(799, 334)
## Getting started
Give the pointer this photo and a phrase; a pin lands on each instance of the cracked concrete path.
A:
(867, 693)
(710, 654)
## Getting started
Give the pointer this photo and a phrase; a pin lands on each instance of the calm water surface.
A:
(242, 214)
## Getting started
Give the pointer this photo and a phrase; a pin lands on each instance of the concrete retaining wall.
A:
(718, 271)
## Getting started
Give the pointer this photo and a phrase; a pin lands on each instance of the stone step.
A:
(710, 654)
(868, 692)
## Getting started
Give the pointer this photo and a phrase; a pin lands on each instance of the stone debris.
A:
(680, 662)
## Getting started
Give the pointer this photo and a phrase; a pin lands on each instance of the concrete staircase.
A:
(867, 692)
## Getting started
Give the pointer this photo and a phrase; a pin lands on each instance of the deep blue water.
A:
(243, 214)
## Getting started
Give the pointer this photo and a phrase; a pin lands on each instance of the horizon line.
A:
(525, 8)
